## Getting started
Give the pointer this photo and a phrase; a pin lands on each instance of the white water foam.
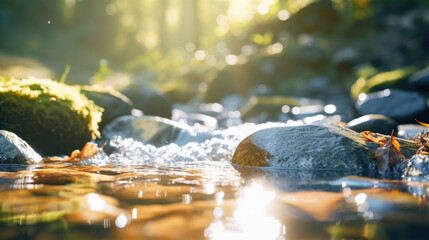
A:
(220, 148)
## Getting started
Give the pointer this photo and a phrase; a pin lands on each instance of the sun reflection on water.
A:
(251, 219)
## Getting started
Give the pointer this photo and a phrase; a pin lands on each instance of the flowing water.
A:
(137, 191)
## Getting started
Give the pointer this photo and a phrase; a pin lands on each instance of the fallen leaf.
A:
(422, 140)
(89, 150)
(370, 137)
(422, 123)
(389, 155)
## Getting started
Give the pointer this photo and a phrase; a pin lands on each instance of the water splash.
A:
(220, 148)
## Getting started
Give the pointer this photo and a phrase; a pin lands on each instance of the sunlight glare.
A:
(200, 55)
(221, 20)
(250, 220)
(275, 48)
(231, 59)
(96, 203)
(262, 9)
(330, 108)
(70, 3)
(121, 221)
(283, 15)
(360, 198)
(111, 9)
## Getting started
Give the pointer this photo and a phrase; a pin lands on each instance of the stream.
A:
(137, 191)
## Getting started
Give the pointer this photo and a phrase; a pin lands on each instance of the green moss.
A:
(392, 79)
(52, 117)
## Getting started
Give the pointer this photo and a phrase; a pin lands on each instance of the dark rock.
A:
(402, 106)
(344, 104)
(233, 79)
(147, 99)
(305, 147)
(417, 166)
(420, 80)
(345, 59)
(374, 123)
(152, 130)
(316, 86)
(14, 150)
(319, 16)
(224, 80)
(114, 103)
(310, 54)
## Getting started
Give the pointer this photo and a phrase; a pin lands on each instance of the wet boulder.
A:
(308, 147)
(14, 150)
(374, 123)
(152, 130)
(401, 106)
(53, 118)
(114, 103)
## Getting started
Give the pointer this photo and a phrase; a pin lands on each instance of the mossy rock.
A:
(392, 79)
(53, 118)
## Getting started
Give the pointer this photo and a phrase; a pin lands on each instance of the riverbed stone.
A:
(311, 147)
(14, 150)
(373, 122)
(402, 106)
(153, 130)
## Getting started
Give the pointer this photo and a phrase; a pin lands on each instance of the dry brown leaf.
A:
(422, 123)
(370, 137)
(89, 150)
(389, 155)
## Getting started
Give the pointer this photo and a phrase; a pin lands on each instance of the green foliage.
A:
(52, 117)
(263, 39)
(103, 71)
(65, 74)
(390, 79)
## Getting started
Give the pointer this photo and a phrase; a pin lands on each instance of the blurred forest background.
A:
(212, 48)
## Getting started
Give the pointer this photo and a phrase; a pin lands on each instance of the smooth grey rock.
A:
(305, 147)
(153, 130)
(14, 150)
(402, 106)
(114, 103)
(374, 123)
